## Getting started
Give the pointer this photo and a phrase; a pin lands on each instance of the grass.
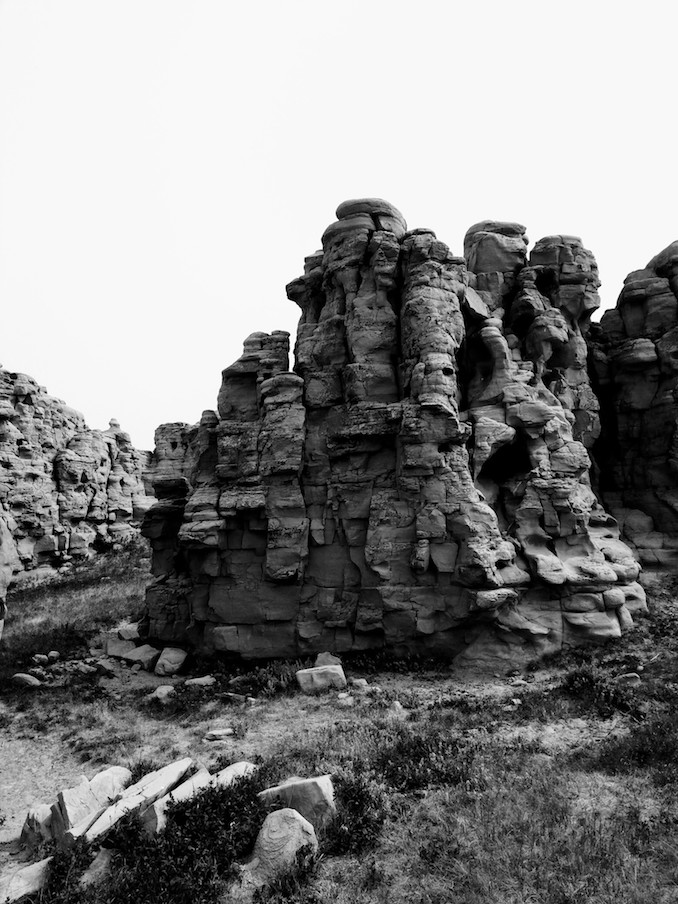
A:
(68, 612)
(457, 797)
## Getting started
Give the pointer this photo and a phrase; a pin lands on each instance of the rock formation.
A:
(420, 481)
(635, 364)
(64, 489)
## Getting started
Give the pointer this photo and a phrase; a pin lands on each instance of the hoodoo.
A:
(419, 481)
(635, 356)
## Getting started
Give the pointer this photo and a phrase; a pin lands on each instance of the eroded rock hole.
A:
(509, 461)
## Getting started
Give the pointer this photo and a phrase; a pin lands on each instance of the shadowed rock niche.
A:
(420, 482)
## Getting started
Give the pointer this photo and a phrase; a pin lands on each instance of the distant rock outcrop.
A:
(635, 363)
(420, 481)
(64, 489)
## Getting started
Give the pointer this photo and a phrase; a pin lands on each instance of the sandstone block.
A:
(170, 661)
(283, 835)
(321, 678)
(24, 882)
(312, 797)
(145, 656)
(119, 648)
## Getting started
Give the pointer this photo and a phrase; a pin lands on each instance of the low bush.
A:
(652, 744)
(191, 862)
(595, 688)
(291, 888)
(422, 756)
(361, 812)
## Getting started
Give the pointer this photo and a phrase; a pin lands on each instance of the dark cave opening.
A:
(509, 461)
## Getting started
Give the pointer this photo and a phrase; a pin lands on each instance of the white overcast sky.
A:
(165, 165)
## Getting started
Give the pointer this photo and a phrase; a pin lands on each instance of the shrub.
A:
(190, 862)
(290, 888)
(140, 768)
(422, 756)
(594, 687)
(652, 744)
(361, 812)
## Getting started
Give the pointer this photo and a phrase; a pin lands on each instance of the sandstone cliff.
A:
(420, 481)
(635, 363)
(64, 489)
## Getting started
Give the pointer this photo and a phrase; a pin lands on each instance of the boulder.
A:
(23, 679)
(24, 882)
(37, 826)
(170, 661)
(81, 804)
(153, 817)
(144, 656)
(321, 678)
(163, 693)
(229, 774)
(144, 792)
(284, 834)
(312, 797)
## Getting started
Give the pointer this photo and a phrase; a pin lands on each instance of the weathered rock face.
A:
(64, 488)
(635, 362)
(421, 480)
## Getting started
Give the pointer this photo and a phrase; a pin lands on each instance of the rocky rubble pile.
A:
(420, 481)
(64, 489)
(86, 814)
(635, 357)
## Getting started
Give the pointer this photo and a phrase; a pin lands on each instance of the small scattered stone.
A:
(129, 631)
(136, 667)
(38, 673)
(358, 683)
(204, 681)
(170, 661)
(163, 693)
(25, 680)
(630, 679)
(105, 667)
(54, 655)
(219, 734)
(346, 701)
(84, 668)
(146, 656)
(40, 659)
(229, 697)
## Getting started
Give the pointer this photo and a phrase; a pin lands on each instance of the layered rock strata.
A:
(64, 489)
(635, 364)
(420, 481)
